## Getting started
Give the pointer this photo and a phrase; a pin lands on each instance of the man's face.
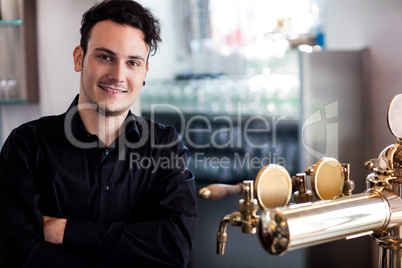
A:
(114, 67)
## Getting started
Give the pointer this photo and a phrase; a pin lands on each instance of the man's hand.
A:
(53, 229)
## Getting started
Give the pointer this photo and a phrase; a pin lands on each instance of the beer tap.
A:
(337, 214)
(272, 188)
(376, 212)
(264, 192)
(246, 218)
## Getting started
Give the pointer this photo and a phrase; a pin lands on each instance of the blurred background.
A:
(246, 83)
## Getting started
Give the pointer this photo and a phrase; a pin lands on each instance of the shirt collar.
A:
(72, 114)
(131, 125)
(77, 126)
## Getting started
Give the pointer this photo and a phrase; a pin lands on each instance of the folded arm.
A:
(164, 241)
(30, 236)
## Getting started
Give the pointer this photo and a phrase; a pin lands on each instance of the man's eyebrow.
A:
(103, 49)
(136, 58)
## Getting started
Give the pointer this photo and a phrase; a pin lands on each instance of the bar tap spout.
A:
(246, 217)
(272, 188)
(222, 236)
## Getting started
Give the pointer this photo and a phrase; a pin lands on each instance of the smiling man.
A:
(70, 196)
(112, 74)
(118, 69)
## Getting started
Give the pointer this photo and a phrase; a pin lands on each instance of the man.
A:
(98, 186)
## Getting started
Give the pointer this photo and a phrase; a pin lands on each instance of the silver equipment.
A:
(337, 213)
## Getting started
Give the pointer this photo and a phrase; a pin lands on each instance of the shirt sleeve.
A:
(165, 240)
(21, 229)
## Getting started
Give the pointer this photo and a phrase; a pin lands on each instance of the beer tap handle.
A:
(327, 178)
(218, 191)
(273, 186)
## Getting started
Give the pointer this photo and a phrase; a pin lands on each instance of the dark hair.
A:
(125, 12)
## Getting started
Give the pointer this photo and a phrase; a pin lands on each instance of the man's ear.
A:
(78, 56)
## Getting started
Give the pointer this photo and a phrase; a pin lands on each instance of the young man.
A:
(98, 186)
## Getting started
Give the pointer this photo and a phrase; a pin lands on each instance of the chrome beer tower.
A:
(337, 213)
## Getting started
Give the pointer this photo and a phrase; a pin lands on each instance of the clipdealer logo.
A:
(233, 132)
(319, 135)
(331, 139)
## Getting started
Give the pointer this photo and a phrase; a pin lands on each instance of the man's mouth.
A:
(113, 90)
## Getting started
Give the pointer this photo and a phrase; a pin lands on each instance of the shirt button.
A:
(107, 188)
(107, 152)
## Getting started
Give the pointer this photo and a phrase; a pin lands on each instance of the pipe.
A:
(309, 224)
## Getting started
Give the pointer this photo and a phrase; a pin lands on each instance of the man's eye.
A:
(104, 57)
(133, 63)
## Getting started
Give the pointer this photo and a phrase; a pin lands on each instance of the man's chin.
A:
(112, 112)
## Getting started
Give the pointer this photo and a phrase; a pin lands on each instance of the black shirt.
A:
(132, 204)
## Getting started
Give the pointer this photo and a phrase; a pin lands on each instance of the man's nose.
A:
(117, 72)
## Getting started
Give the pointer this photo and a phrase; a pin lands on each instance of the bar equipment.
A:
(336, 214)
(277, 194)
(273, 188)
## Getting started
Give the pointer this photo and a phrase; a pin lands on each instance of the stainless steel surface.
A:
(376, 212)
(324, 221)
(334, 109)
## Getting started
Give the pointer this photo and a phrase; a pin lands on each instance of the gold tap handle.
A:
(327, 179)
(218, 191)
